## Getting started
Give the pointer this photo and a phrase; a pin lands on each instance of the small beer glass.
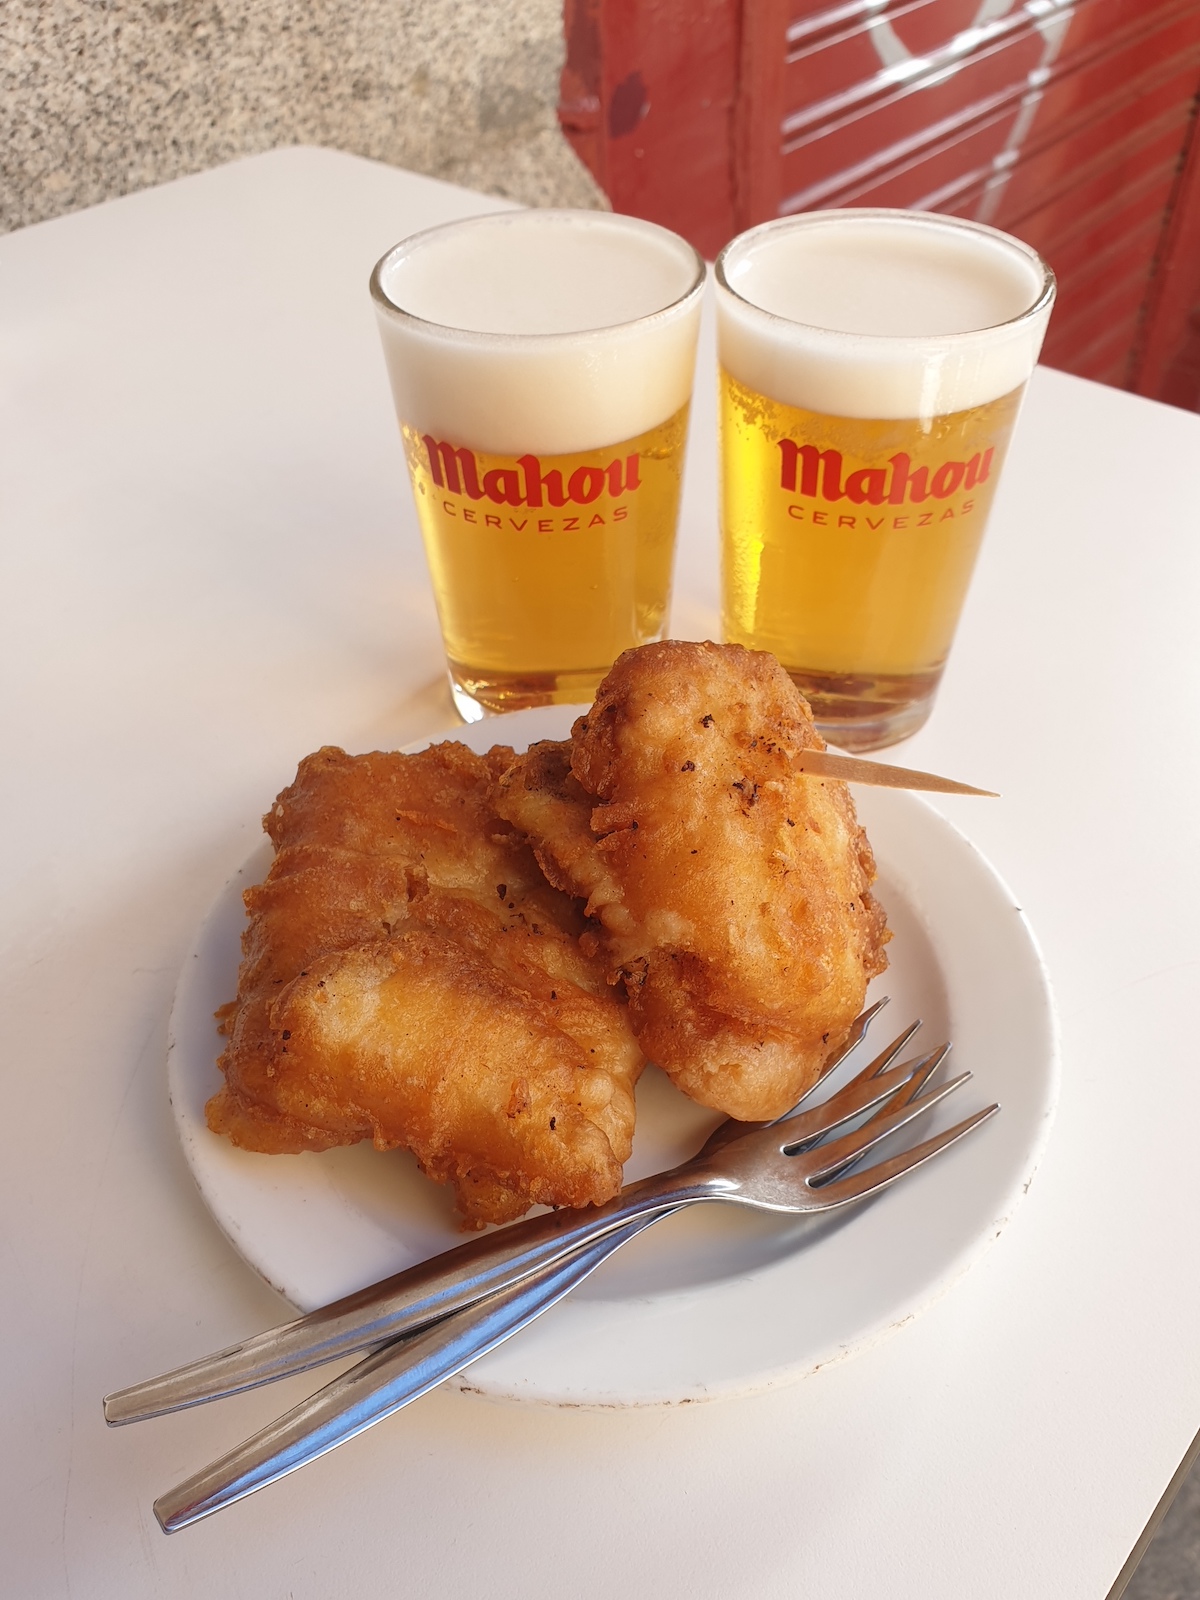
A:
(541, 364)
(872, 367)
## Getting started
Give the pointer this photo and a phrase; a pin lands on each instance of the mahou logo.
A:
(455, 469)
(819, 474)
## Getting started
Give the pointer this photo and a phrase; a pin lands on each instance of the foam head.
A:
(881, 313)
(543, 331)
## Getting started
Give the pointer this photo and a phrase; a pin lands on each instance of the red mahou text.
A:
(819, 474)
(455, 469)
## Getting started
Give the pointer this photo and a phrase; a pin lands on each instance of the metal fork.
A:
(433, 1289)
(778, 1167)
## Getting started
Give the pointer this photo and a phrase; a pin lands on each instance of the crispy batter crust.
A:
(410, 977)
(731, 894)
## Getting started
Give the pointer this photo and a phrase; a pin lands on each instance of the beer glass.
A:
(872, 367)
(541, 364)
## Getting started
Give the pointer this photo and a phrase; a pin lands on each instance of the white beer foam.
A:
(546, 332)
(881, 314)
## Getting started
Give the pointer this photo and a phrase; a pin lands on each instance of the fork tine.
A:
(906, 1095)
(931, 1063)
(875, 1069)
(827, 1159)
(866, 1090)
(925, 1068)
(879, 1066)
(858, 1032)
(861, 1184)
(885, 1057)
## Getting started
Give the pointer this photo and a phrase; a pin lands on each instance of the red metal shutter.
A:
(1066, 122)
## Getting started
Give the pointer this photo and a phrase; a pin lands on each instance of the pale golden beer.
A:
(546, 568)
(541, 364)
(860, 451)
(848, 556)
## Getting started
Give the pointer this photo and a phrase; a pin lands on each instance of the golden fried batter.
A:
(410, 977)
(731, 892)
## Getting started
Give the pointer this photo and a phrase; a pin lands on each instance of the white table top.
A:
(210, 567)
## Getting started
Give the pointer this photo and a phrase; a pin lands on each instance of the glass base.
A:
(476, 696)
(469, 710)
(866, 712)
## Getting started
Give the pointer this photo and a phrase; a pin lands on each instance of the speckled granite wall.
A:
(100, 97)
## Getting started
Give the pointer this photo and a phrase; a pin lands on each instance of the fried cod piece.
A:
(410, 977)
(731, 894)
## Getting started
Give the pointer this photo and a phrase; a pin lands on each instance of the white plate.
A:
(713, 1301)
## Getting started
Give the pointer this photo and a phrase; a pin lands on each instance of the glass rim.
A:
(389, 307)
(935, 219)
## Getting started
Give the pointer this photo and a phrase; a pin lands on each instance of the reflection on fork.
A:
(430, 1322)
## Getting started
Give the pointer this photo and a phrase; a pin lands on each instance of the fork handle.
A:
(383, 1383)
(410, 1300)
